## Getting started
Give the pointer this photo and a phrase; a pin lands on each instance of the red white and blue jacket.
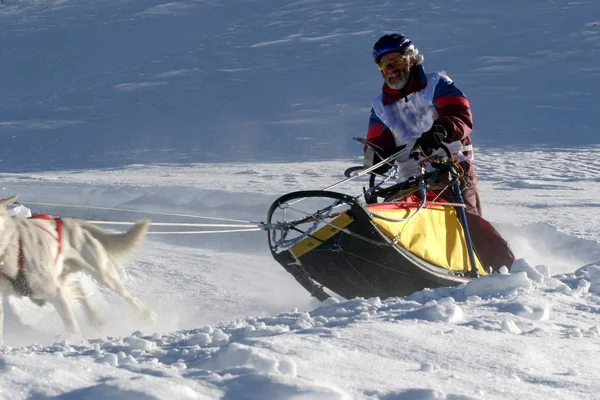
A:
(428, 98)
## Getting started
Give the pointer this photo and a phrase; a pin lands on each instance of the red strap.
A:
(59, 233)
(59, 236)
(42, 216)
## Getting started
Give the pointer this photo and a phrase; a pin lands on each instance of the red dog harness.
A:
(46, 217)
(20, 282)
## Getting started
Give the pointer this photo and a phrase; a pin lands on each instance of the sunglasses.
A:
(394, 63)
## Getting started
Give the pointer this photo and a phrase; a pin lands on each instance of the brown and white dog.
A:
(38, 255)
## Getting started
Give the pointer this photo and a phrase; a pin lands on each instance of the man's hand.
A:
(431, 140)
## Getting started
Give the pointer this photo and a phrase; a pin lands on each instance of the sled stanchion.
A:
(463, 220)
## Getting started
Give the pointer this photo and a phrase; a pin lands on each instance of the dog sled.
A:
(389, 240)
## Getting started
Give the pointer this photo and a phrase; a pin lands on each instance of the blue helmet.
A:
(389, 43)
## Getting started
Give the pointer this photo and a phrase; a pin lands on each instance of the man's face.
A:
(395, 69)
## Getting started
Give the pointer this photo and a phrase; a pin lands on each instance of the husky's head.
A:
(4, 211)
(7, 201)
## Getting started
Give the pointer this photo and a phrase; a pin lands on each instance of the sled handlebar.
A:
(414, 153)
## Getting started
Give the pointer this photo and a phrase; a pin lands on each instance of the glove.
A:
(431, 140)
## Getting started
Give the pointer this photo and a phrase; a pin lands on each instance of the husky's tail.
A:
(119, 245)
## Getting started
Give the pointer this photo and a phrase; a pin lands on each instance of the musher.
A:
(428, 109)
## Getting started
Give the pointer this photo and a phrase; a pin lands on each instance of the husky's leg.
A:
(60, 303)
(95, 261)
(105, 272)
(114, 284)
(119, 288)
(77, 291)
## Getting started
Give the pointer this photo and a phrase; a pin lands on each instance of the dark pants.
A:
(469, 188)
(491, 248)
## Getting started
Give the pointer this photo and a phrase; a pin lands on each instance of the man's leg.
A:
(470, 189)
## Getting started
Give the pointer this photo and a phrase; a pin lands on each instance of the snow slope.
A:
(88, 84)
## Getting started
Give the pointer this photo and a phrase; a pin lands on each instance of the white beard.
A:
(400, 81)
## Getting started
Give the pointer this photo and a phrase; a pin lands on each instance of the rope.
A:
(136, 211)
(246, 228)
(200, 232)
(175, 224)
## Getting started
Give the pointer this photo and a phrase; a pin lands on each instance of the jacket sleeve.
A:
(379, 134)
(453, 109)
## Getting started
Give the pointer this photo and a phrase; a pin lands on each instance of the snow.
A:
(189, 109)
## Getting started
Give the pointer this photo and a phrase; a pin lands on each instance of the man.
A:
(427, 110)
(424, 106)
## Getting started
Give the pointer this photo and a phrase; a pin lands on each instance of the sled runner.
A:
(386, 241)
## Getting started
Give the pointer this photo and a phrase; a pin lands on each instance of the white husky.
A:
(37, 256)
